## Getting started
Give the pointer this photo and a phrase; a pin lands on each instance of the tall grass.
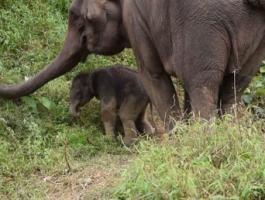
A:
(216, 160)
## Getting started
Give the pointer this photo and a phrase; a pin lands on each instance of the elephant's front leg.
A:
(155, 79)
(162, 94)
(158, 84)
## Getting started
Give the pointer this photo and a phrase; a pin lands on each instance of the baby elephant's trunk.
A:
(256, 3)
(74, 110)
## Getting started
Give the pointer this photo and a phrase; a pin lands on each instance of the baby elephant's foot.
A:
(129, 140)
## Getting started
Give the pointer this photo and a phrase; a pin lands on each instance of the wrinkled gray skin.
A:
(203, 43)
(122, 98)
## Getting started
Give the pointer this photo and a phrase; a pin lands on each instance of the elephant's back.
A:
(127, 83)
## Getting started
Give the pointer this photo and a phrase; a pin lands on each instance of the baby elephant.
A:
(122, 97)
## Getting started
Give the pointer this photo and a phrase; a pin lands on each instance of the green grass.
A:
(33, 131)
(216, 160)
(36, 133)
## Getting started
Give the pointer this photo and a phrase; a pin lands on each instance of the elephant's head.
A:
(94, 27)
(81, 92)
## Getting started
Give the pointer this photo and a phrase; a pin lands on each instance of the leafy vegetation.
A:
(38, 139)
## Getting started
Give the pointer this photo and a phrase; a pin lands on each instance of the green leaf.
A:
(262, 69)
(247, 98)
(260, 92)
(47, 103)
(247, 91)
(259, 84)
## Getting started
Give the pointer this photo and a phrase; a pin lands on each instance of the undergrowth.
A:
(211, 160)
(203, 160)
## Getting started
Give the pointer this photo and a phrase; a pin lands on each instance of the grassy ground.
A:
(38, 139)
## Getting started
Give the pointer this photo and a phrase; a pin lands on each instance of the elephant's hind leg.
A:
(204, 69)
(235, 84)
(231, 91)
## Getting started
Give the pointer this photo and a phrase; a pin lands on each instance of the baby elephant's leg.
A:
(130, 131)
(109, 117)
(128, 114)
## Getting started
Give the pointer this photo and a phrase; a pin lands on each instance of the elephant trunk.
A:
(69, 57)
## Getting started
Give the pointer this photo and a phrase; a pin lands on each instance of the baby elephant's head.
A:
(81, 92)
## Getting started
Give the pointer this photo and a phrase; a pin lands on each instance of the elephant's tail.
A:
(256, 3)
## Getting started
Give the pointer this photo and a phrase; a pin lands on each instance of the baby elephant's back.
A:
(127, 83)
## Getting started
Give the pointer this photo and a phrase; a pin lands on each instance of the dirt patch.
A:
(93, 181)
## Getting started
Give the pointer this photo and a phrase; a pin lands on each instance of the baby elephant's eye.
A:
(81, 27)
(76, 19)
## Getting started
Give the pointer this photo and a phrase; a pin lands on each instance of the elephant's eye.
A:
(74, 16)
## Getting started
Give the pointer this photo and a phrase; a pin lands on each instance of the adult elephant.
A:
(208, 44)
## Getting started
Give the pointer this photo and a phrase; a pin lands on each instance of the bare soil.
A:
(93, 181)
